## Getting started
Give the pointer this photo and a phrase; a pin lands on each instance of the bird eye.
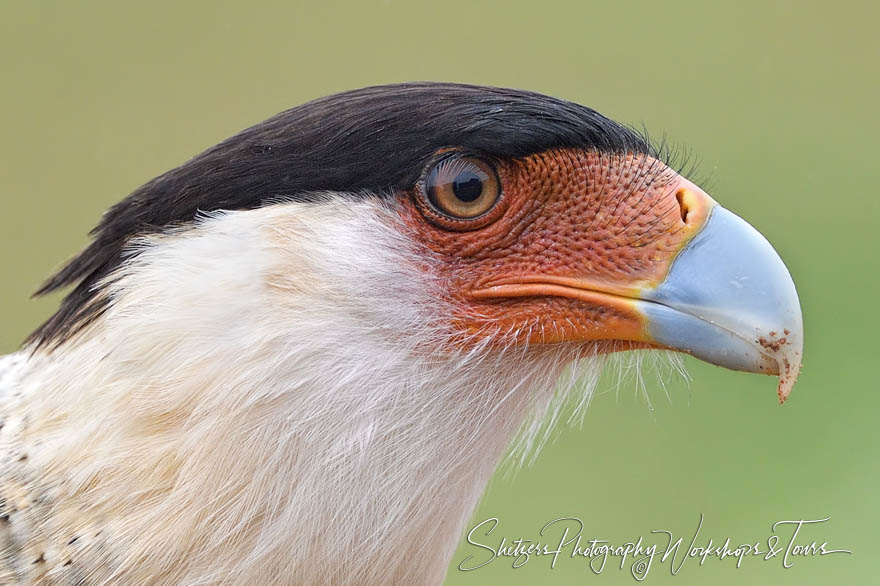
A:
(462, 188)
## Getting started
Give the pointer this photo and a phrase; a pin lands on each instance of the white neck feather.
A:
(268, 400)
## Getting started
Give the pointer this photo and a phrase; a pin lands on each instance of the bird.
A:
(298, 357)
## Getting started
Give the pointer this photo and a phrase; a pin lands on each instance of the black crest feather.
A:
(375, 139)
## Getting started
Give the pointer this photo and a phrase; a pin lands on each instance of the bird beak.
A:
(725, 296)
(728, 299)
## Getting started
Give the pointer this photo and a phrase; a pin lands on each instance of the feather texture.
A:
(270, 397)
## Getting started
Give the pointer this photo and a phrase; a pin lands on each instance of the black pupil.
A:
(467, 186)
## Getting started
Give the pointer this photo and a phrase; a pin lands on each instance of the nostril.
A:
(682, 205)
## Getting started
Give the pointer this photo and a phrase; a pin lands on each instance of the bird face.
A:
(574, 246)
(570, 236)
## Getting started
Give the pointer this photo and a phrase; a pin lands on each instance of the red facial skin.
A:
(575, 237)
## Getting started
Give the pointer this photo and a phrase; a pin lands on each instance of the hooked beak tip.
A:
(729, 299)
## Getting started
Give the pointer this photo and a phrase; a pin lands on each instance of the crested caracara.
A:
(298, 357)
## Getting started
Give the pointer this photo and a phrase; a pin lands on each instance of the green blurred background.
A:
(778, 102)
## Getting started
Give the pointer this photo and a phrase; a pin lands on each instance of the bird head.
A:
(537, 221)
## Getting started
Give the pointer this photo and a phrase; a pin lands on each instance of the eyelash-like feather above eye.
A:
(460, 192)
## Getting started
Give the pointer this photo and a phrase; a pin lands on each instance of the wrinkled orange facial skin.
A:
(609, 223)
